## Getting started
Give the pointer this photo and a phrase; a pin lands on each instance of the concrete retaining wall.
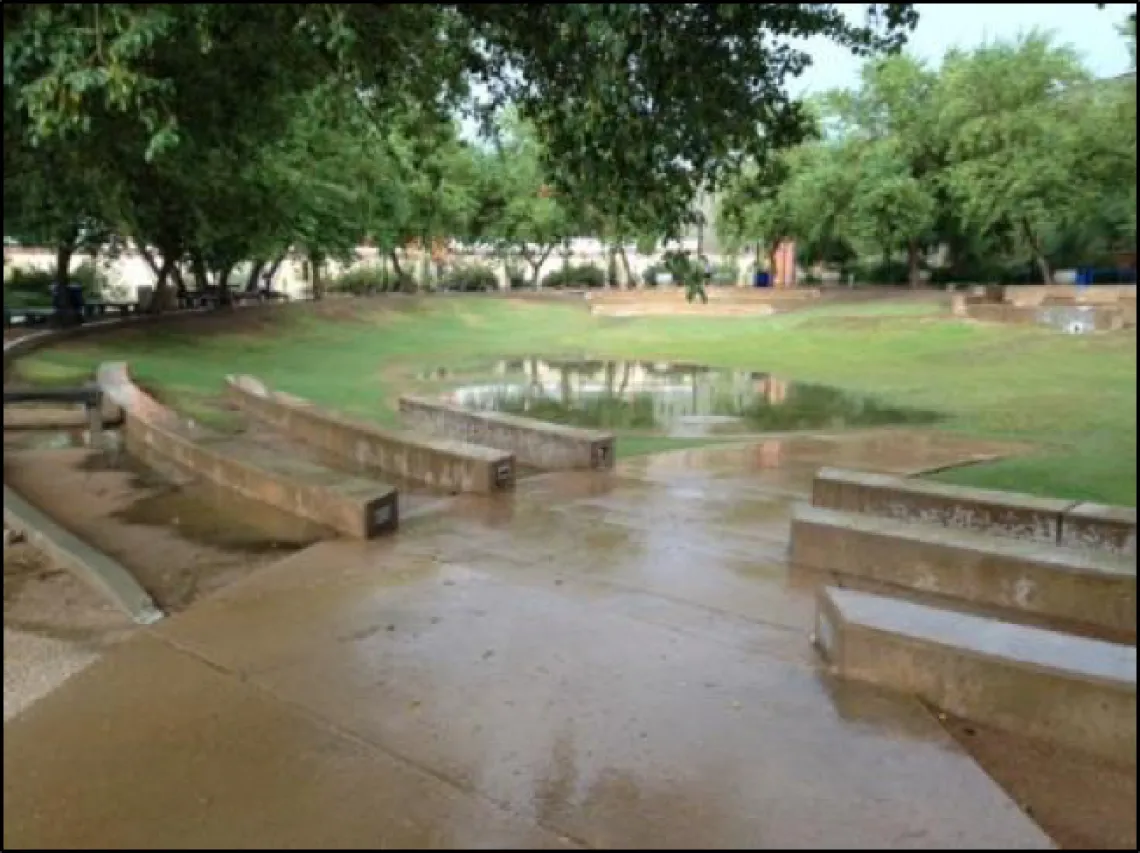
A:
(1090, 589)
(535, 443)
(352, 506)
(1071, 524)
(983, 510)
(450, 465)
(1068, 690)
(1096, 294)
(1098, 527)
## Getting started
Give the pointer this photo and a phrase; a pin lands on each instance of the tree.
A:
(1016, 163)
(625, 96)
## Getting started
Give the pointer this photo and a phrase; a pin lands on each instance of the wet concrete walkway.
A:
(602, 661)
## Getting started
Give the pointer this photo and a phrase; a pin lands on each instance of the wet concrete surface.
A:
(614, 660)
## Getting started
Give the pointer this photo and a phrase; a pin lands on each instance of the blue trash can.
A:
(762, 279)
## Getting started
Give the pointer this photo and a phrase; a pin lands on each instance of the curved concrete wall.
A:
(454, 466)
(358, 508)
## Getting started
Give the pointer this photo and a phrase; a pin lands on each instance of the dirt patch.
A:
(1082, 802)
(54, 626)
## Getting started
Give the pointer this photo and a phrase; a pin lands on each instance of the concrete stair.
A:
(1012, 626)
(1094, 590)
(1045, 684)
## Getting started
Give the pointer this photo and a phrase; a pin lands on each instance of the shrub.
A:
(585, 275)
(649, 277)
(517, 277)
(364, 280)
(32, 287)
(724, 275)
(471, 278)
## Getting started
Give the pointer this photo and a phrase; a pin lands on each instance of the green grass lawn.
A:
(1073, 396)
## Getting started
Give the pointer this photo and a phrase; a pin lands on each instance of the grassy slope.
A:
(1074, 396)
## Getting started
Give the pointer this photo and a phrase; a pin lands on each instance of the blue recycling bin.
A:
(762, 279)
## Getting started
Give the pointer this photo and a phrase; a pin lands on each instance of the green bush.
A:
(724, 275)
(517, 277)
(471, 278)
(585, 275)
(28, 288)
(365, 280)
(649, 277)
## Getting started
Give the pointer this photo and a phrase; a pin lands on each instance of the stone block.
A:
(1069, 690)
(532, 442)
(453, 466)
(1096, 591)
(998, 513)
(1098, 527)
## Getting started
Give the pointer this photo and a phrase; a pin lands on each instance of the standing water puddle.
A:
(677, 400)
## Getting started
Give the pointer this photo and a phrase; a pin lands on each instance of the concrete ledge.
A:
(94, 567)
(1095, 590)
(1068, 690)
(350, 505)
(536, 443)
(998, 513)
(1099, 527)
(454, 466)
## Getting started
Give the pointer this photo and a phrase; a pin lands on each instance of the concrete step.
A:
(1043, 684)
(1096, 590)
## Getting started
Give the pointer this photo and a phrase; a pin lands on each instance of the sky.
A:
(1091, 31)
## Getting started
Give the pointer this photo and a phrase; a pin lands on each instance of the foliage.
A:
(1007, 155)
(369, 279)
(470, 278)
(574, 275)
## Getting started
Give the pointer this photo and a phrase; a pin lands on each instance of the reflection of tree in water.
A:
(763, 402)
(603, 411)
(813, 406)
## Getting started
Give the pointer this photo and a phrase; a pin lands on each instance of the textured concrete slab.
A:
(536, 443)
(1091, 589)
(613, 731)
(226, 766)
(453, 466)
(1098, 527)
(617, 683)
(923, 501)
(1072, 690)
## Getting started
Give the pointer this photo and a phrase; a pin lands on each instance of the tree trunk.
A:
(396, 264)
(224, 295)
(912, 264)
(201, 273)
(629, 279)
(61, 299)
(318, 285)
(276, 265)
(158, 301)
(1038, 255)
(251, 282)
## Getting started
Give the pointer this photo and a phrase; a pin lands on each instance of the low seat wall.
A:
(1094, 590)
(1008, 514)
(357, 508)
(450, 465)
(1071, 524)
(1070, 690)
(535, 443)
(1098, 527)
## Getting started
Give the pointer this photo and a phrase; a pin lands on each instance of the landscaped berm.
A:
(481, 571)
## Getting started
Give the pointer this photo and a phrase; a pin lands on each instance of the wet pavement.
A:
(597, 660)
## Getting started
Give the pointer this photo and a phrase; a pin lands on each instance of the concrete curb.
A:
(94, 567)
